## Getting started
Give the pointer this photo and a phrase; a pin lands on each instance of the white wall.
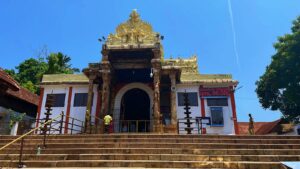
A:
(79, 112)
(195, 110)
(228, 127)
(75, 112)
(227, 117)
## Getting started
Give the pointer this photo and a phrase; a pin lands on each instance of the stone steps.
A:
(118, 136)
(51, 145)
(154, 151)
(149, 164)
(165, 157)
(157, 151)
(164, 140)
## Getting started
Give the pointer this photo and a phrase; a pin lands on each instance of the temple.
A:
(142, 90)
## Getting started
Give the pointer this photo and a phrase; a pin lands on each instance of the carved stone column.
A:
(105, 92)
(156, 65)
(173, 99)
(89, 101)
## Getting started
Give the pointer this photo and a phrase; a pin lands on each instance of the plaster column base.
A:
(172, 128)
(159, 128)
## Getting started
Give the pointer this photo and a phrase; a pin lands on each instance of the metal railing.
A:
(61, 124)
(196, 126)
(22, 139)
(128, 126)
(64, 125)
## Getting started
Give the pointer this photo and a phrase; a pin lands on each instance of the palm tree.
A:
(59, 63)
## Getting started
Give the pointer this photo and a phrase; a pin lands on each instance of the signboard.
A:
(203, 120)
(223, 91)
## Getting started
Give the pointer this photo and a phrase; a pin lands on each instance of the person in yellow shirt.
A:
(107, 120)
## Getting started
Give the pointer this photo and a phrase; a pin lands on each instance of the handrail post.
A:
(96, 126)
(61, 122)
(50, 127)
(20, 164)
(178, 126)
(82, 126)
(72, 125)
(90, 124)
(137, 126)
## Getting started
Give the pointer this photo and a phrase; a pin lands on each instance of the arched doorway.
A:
(135, 112)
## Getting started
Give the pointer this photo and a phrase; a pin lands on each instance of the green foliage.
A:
(279, 87)
(15, 117)
(59, 63)
(30, 86)
(11, 72)
(30, 72)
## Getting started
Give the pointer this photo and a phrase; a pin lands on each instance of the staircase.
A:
(154, 151)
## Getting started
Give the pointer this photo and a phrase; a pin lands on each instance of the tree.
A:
(11, 72)
(30, 72)
(279, 87)
(59, 63)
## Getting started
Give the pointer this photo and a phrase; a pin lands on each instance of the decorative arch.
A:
(120, 94)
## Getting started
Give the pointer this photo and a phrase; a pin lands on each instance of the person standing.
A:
(107, 120)
(251, 125)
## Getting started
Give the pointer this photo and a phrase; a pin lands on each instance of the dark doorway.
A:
(135, 111)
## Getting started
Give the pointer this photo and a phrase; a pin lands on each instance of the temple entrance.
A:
(135, 111)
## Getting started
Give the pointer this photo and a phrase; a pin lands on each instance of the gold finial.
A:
(133, 32)
(134, 16)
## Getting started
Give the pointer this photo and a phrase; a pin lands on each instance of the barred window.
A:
(216, 116)
(58, 99)
(192, 97)
(80, 99)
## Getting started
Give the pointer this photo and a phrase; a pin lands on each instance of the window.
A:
(216, 116)
(59, 99)
(192, 97)
(80, 99)
(217, 102)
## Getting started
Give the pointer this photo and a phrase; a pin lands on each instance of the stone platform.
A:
(154, 151)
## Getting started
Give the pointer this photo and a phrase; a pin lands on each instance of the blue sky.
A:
(201, 27)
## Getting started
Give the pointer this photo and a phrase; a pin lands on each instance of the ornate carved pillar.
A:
(89, 101)
(106, 76)
(99, 104)
(173, 99)
(156, 65)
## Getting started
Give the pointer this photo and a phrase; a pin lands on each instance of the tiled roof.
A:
(24, 95)
(16, 91)
(8, 81)
(64, 78)
(260, 128)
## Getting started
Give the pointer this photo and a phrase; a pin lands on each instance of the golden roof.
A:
(206, 78)
(188, 65)
(190, 73)
(133, 32)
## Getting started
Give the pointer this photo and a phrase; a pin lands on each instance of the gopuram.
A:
(141, 89)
